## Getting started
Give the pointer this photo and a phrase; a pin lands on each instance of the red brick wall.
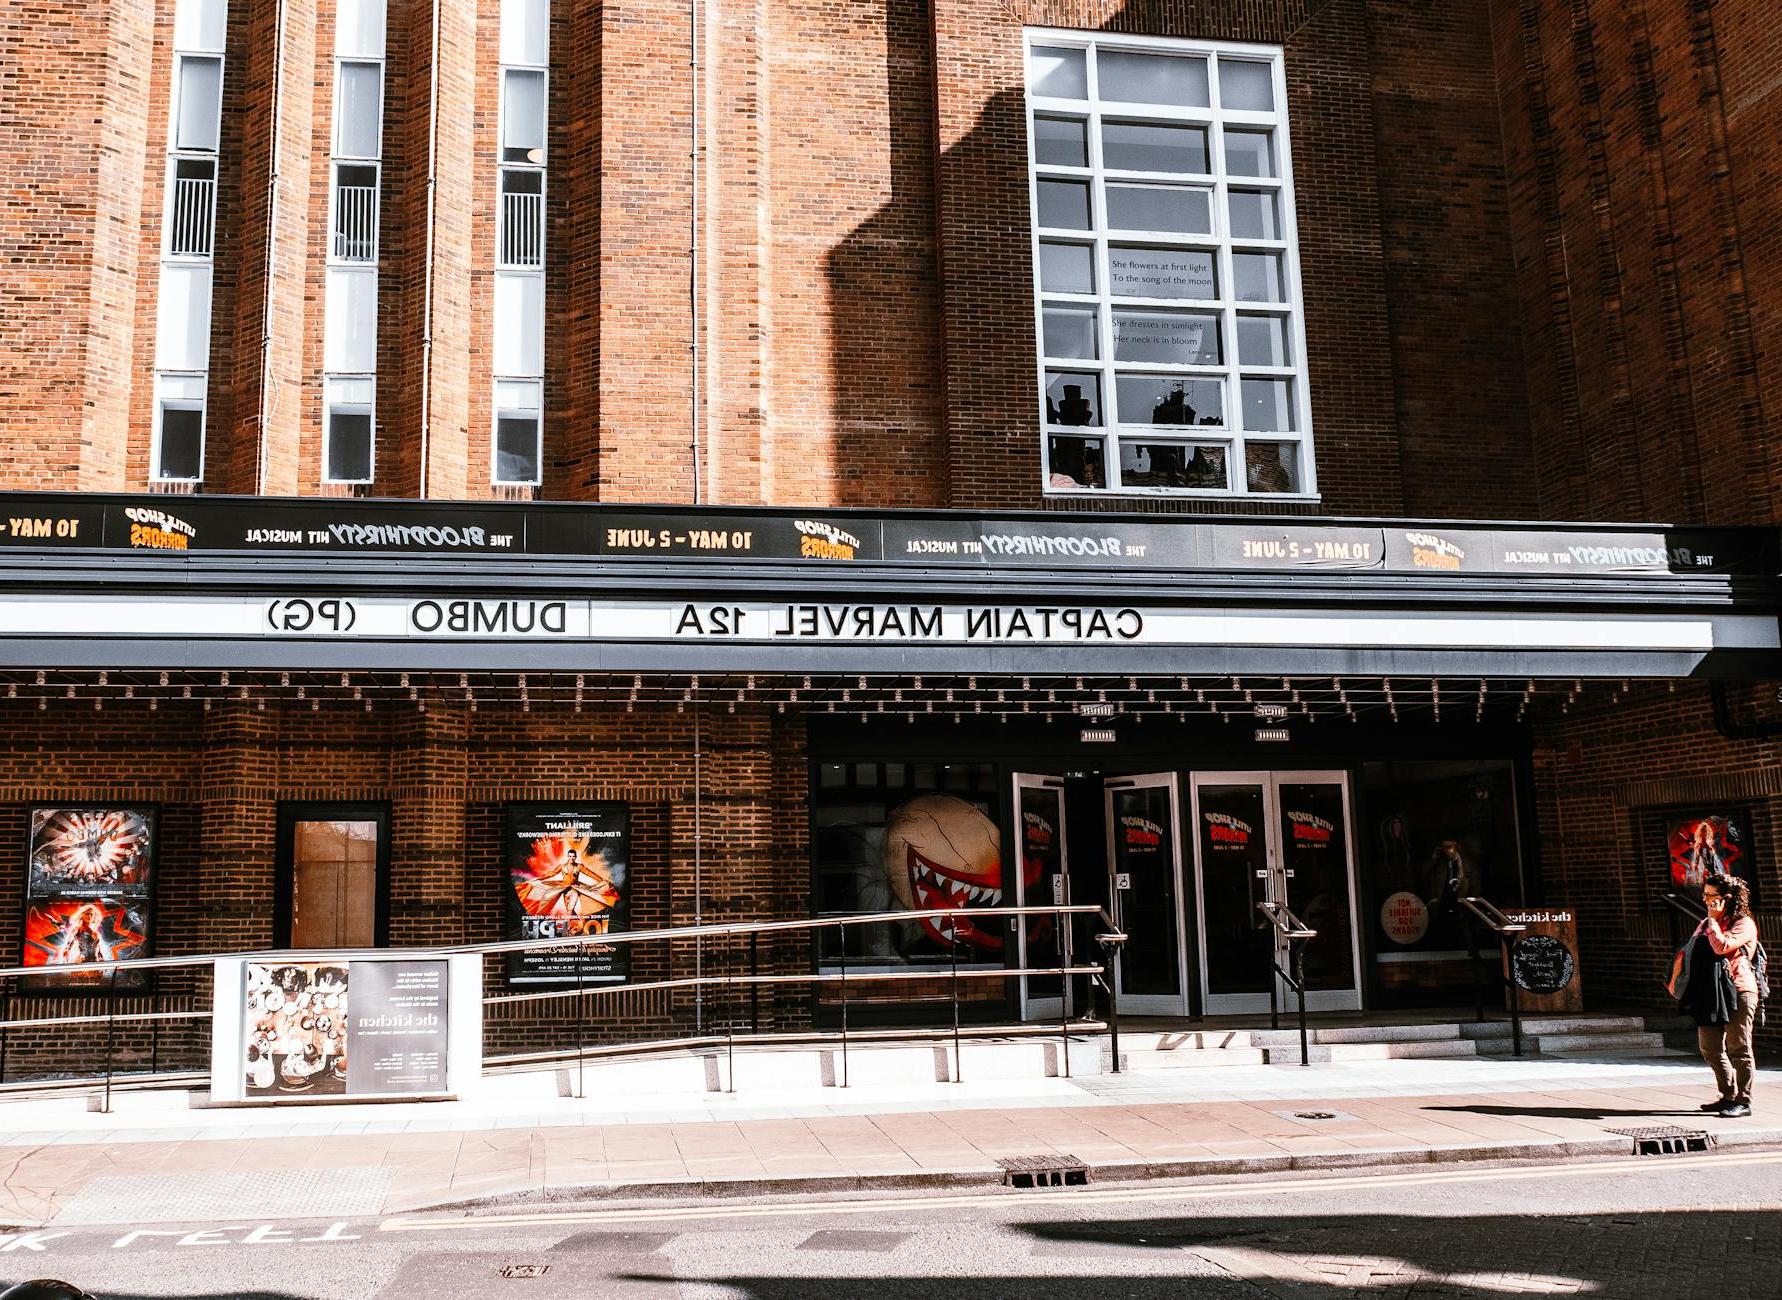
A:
(727, 846)
(1642, 147)
(1604, 772)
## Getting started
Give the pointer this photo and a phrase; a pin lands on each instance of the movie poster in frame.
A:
(1701, 842)
(568, 874)
(89, 894)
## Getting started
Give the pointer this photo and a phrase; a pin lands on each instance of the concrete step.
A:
(1624, 1042)
(1285, 1054)
(1189, 1058)
(1333, 1035)
(770, 1070)
(1617, 1054)
(1555, 1025)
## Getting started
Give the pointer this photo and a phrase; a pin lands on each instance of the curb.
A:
(989, 1177)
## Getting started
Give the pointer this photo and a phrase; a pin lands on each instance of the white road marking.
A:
(1079, 1196)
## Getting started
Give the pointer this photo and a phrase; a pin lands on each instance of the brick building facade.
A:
(786, 257)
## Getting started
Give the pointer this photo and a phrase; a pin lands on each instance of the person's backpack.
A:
(1676, 981)
(1760, 967)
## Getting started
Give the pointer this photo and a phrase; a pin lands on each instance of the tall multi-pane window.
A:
(349, 428)
(517, 434)
(1171, 347)
(188, 241)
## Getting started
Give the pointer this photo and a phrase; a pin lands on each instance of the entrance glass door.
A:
(1042, 876)
(1279, 837)
(1145, 866)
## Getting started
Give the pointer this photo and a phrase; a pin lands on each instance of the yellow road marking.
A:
(1078, 1196)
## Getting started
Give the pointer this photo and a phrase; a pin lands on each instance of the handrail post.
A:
(1063, 949)
(5, 1015)
(730, 1024)
(1113, 1003)
(844, 1003)
(1510, 942)
(1274, 980)
(754, 984)
(111, 1012)
(1299, 974)
(155, 1024)
(581, 1030)
(1472, 945)
(953, 990)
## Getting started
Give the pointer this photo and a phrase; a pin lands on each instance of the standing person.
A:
(1722, 992)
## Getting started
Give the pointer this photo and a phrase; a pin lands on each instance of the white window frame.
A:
(162, 405)
(1220, 242)
(497, 410)
(329, 406)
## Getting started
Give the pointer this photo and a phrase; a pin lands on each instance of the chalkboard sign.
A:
(1545, 968)
(1543, 964)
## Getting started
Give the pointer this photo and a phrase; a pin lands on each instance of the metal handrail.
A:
(1684, 905)
(1108, 938)
(1297, 934)
(1481, 911)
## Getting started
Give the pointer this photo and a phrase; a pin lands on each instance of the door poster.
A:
(568, 875)
(375, 1028)
(88, 894)
(1707, 842)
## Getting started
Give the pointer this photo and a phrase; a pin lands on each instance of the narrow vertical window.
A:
(517, 428)
(188, 241)
(1166, 269)
(349, 350)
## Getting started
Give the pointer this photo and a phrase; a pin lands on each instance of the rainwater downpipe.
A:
(272, 181)
(695, 14)
(427, 268)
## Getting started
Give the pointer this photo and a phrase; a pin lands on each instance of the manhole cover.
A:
(1314, 1114)
(1665, 1139)
(1043, 1171)
(1318, 1116)
(517, 1272)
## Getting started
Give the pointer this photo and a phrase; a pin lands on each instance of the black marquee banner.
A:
(84, 522)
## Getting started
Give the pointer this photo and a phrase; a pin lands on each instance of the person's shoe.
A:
(1719, 1103)
(1737, 1110)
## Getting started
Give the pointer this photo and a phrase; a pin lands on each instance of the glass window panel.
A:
(1258, 277)
(1135, 77)
(200, 98)
(523, 116)
(359, 110)
(1060, 142)
(1064, 205)
(516, 449)
(199, 24)
(358, 29)
(516, 396)
(1162, 273)
(1254, 215)
(1171, 338)
(519, 324)
(1170, 399)
(1198, 465)
(1268, 405)
(526, 32)
(182, 443)
(1058, 72)
(1263, 341)
(1145, 147)
(1172, 208)
(1247, 85)
(1271, 466)
(1249, 153)
(349, 446)
(182, 324)
(1073, 397)
(1067, 268)
(1077, 462)
(1070, 332)
(349, 320)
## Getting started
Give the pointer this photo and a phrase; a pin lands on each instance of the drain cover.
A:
(1317, 1116)
(515, 1272)
(1665, 1139)
(1314, 1114)
(1043, 1171)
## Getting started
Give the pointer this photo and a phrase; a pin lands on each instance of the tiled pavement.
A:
(1216, 1121)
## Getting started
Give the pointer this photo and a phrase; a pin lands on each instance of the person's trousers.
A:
(1727, 1050)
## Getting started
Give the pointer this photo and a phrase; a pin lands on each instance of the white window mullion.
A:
(1171, 181)
(355, 186)
(188, 241)
(516, 431)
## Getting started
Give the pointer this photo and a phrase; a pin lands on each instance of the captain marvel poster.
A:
(88, 890)
(568, 876)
